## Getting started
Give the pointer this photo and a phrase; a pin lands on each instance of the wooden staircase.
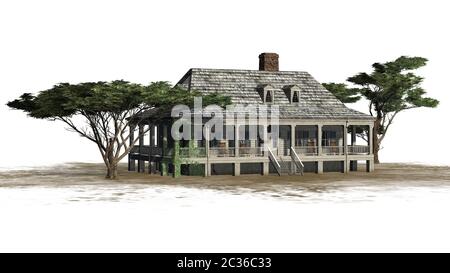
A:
(286, 167)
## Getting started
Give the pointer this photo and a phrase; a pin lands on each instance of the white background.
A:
(46, 42)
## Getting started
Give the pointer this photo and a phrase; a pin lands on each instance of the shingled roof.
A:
(243, 87)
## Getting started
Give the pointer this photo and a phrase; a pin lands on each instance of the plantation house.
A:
(312, 130)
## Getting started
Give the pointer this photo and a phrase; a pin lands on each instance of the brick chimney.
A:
(268, 62)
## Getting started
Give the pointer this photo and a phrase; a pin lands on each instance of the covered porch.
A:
(320, 142)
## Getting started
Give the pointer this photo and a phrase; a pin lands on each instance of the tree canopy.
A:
(107, 108)
(390, 88)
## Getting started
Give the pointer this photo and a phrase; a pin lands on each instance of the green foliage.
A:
(390, 88)
(111, 111)
(65, 100)
(216, 98)
(342, 92)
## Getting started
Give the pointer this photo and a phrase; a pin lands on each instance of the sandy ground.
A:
(92, 173)
(386, 176)
(71, 207)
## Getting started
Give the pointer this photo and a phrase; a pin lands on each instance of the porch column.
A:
(236, 140)
(152, 135)
(164, 140)
(207, 165)
(293, 166)
(158, 135)
(225, 137)
(265, 139)
(346, 163)
(151, 145)
(319, 139)
(370, 163)
(293, 135)
(353, 135)
(176, 159)
(141, 162)
(251, 140)
(353, 163)
(131, 162)
(164, 163)
(279, 151)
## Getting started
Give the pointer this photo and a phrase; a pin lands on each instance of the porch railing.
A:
(333, 150)
(197, 152)
(251, 151)
(307, 150)
(358, 149)
(147, 150)
(186, 152)
(221, 152)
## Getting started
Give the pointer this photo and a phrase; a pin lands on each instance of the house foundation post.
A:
(353, 165)
(237, 169)
(370, 165)
(320, 166)
(164, 168)
(265, 168)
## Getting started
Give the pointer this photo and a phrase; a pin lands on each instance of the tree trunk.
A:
(376, 143)
(111, 172)
(111, 168)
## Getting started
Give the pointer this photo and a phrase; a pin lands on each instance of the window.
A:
(292, 93)
(269, 97)
(266, 93)
(304, 134)
(329, 138)
(329, 134)
(302, 138)
(295, 96)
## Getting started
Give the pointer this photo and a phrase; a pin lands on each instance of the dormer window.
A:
(293, 93)
(269, 96)
(295, 96)
(267, 93)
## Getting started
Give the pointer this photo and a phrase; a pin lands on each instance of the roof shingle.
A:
(242, 86)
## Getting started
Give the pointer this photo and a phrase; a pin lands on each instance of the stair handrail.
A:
(297, 160)
(274, 161)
